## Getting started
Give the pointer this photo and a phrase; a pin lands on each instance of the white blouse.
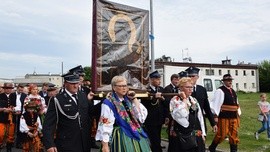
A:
(180, 112)
(24, 128)
(107, 119)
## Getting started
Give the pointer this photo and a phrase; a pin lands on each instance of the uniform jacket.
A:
(156, 112)
(169, 89)
(70, 136)
(201, 96)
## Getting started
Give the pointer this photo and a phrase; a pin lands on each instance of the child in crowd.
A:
(264, 111)
(30, 126)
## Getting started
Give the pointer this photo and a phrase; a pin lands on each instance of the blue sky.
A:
(38, 35)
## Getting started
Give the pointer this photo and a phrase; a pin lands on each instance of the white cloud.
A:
(62, 29)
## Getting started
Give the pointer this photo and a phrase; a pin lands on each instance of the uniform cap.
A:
(71, 77)
(78, 70)
(182, 74)
(154, 74)
(192, 71)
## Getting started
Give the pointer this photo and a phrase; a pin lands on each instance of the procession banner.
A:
(120, 45)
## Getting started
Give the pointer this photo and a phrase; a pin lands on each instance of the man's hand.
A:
(215, 128)
(90, 95)
(7, 110)
(216, 119)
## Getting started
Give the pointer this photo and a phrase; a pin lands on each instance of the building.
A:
(53, 79)
(246, 76)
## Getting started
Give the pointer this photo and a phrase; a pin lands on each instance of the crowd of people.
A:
(66, 119)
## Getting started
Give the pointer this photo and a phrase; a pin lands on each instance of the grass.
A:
(248, 125)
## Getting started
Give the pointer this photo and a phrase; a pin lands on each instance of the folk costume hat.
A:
(33, 103)
(154, 74)
(191, 71)
(8, 86)
(227, 77)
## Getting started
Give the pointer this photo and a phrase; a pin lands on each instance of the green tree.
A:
(264, 75)
(88, 73)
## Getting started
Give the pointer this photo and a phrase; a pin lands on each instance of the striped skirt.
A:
(122, 143)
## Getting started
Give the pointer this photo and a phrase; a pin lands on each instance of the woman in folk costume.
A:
(30, 126)
(33, 93)
(119, 126)
(187, 121)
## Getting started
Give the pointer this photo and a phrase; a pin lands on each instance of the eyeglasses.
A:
(121, 86)
(192, 76)
(189, 87)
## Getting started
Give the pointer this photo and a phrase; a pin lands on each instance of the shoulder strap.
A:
(58, 106)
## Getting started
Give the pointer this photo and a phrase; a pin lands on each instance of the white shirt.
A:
(217, 102)
(18, 102)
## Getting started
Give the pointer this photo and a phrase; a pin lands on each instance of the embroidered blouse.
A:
(107, 120)
(180, 112)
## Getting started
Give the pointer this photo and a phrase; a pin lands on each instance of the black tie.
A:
(76, 98)
(175, 90)
(194, 92)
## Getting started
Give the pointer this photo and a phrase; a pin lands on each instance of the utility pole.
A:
(152, 38)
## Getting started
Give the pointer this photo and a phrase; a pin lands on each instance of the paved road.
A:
(164, 143)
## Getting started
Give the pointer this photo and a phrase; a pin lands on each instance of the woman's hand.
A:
(105, 147)
(182, 95)
(131, 95)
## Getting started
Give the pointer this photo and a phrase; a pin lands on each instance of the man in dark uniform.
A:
(68, 116)
(200, 93)
(156, 106)
(18, 96)
(96, 108)
(171, 88)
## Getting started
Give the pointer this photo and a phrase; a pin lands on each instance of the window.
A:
(253, 85)
(219, 72)
(245, 85)
(237, 86)
(236, 72)
(209, 72)
(218, 83)
(244, 73)
(252, 73)
(229, 71)
(208, 84)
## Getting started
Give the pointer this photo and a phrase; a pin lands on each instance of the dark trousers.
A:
(201, 145)
(154, 134)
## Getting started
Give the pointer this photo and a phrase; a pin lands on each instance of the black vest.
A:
(229, 99)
